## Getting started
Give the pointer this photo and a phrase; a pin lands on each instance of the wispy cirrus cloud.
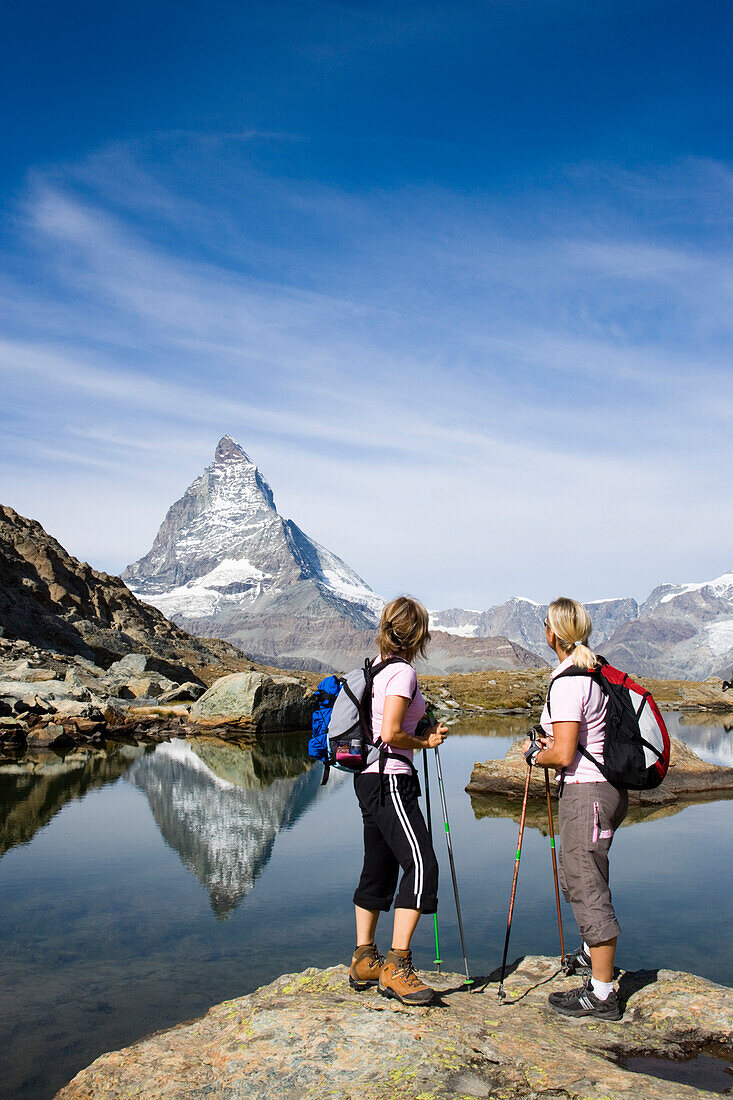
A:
(496, 383)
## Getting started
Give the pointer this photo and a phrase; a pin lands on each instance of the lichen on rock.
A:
(309, 1035)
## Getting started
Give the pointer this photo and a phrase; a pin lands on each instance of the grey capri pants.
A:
(589, 814)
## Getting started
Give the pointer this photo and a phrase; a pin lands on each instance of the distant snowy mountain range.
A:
(681, 631)
(226, 564)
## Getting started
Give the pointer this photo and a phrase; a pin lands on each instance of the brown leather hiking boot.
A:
(399, 979)
(365, 967)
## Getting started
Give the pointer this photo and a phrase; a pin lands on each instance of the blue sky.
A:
(457, 276)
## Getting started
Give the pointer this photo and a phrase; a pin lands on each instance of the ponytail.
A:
(583, 657)
(571, 624)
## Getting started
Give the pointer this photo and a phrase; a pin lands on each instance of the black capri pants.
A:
(395, 836)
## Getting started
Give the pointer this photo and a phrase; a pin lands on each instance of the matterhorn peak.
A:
(224, 554)
(228, 450)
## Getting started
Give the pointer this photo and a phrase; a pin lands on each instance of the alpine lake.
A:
(140, 886)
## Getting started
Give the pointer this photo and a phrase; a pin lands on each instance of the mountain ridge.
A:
(225, 563)
(679, 631)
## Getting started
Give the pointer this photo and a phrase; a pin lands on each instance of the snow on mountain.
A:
(719, 636)
(720, 587)
(226, 564)
(223, 548)
(683, 631)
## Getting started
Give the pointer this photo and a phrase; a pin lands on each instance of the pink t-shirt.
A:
(396, 679)
(579, 699)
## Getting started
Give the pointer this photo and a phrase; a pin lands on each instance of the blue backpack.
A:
(342, 721)
(325, 696)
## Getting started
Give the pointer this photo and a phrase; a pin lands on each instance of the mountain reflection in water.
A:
(221, 805)
(35, 788)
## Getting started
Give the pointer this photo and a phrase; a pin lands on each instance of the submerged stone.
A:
(688, 777)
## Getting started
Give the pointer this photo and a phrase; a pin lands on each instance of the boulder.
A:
(144, 687)
(88, 666)
(309, 1035)
(70, 709)
(254, 700)
(688, 778)
(48, 734)
(113, 714)
(137, 664)
(182, 693)
(134, 664)
(23, 671)
(46, 691)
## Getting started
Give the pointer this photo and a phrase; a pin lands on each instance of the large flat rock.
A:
(309, 1035)
(689, 778)
(254, 700)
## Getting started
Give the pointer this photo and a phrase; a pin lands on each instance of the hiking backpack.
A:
(636, 744)
(341, 734)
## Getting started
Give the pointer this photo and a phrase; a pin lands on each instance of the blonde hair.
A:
(403, 629)
(571, 624)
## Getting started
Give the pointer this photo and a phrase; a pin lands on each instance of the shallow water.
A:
(712, 1072)
(140, 888)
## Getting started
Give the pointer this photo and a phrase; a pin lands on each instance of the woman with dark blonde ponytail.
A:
(590, 808)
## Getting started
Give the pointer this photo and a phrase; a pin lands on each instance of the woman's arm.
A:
(560, 752)
(395, 709)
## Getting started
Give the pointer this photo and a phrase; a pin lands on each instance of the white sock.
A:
(601, 989)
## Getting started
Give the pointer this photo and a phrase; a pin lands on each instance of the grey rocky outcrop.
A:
(689, 778)
(254, 700)
(51, 601)
(308, 1035)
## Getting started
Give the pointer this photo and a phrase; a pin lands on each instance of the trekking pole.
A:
(437, 960)
(501, 994)
(469, 980)
(554, 866)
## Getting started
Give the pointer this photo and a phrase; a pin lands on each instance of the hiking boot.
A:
(398, 979)
(578, 963)
(583, 1002)
(366, 964)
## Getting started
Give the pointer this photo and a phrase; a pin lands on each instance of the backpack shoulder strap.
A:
(593, 673)
(377, 667)
(596, 675)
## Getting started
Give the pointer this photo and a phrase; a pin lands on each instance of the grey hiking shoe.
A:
(578, 962)
(583, 1002)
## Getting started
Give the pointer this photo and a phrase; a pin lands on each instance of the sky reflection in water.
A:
(138, 890)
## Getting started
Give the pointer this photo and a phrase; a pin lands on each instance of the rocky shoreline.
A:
(309, 1035)
(50, 699)
(53, 699)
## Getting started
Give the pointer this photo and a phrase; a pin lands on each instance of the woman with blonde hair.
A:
(590, 808)
(395, 834)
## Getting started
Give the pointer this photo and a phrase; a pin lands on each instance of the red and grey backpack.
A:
(636, 745)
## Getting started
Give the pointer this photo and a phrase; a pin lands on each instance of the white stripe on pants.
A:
(412, 839)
